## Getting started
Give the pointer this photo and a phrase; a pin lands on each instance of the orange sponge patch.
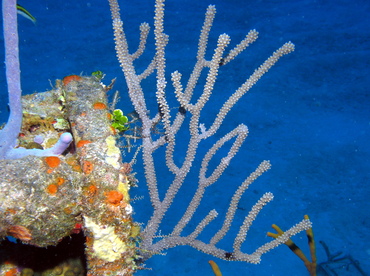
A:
(114, 197)
(12, 272)
(60, 181)
(87, 167)
(52, 161)
(93, 189)
(52, 189)
(99, 105)
(81, 143)
(69, 79)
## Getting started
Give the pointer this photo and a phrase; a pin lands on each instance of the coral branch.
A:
(197, 133)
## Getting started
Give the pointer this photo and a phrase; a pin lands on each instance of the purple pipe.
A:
(9, 134)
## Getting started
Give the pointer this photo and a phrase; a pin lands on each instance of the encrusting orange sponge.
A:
(81, 143)
(52, 189)
(66, 80)
(99, 105)
(52, 161)
(114, 197)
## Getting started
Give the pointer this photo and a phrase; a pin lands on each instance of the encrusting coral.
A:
(44, 199)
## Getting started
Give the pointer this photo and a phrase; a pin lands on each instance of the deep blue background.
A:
(309, 115)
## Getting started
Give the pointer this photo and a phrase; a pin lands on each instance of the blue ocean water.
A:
(309, 114)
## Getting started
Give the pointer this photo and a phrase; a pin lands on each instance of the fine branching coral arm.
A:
(192, 107)
(9, 134)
